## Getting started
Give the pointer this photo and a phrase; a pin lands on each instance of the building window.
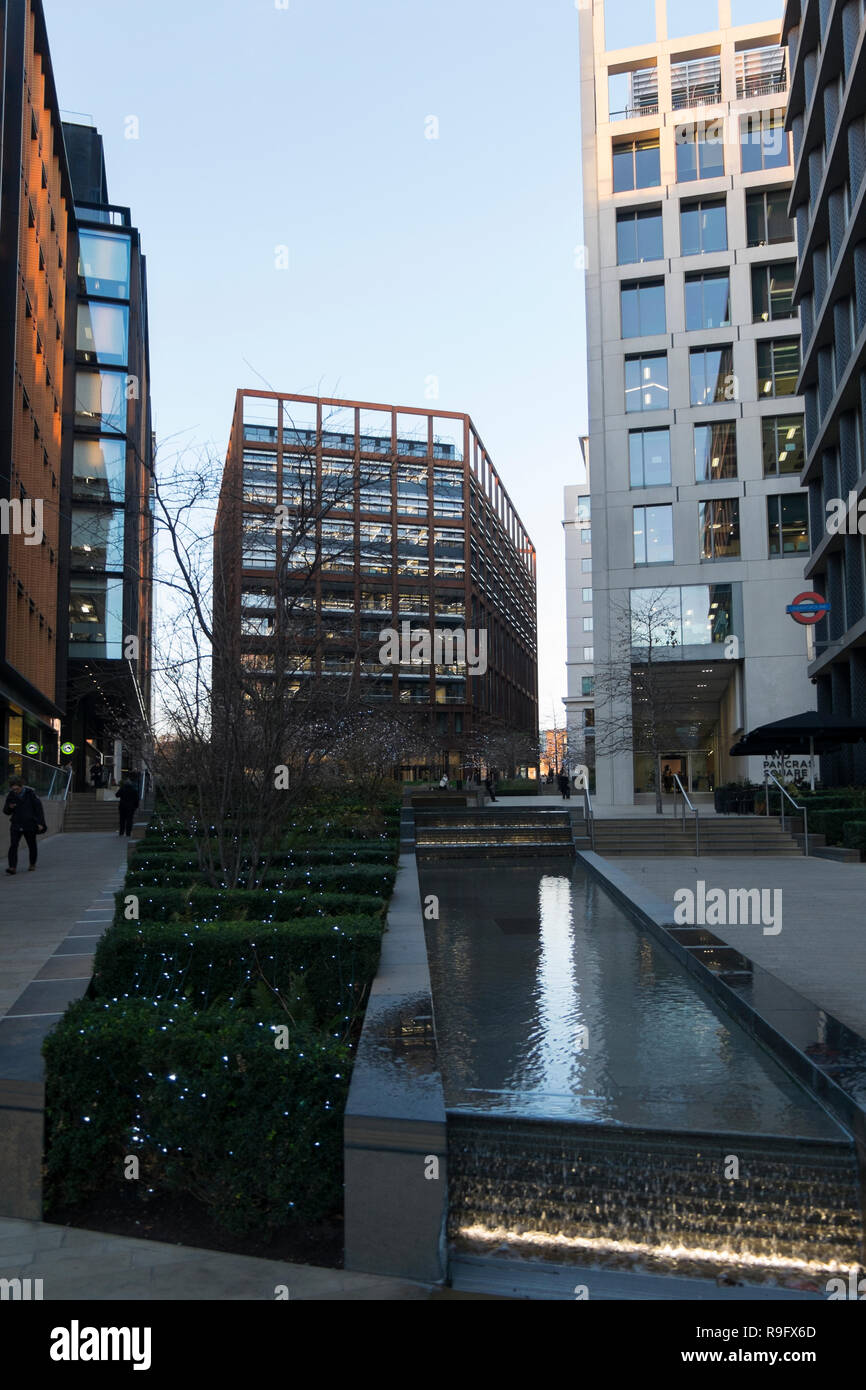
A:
(583, 510)
(586, 536)
(646, 382)
(586, 595)
(103, 264)
(697, 615)
(782, 441)
(711, 374)
(588, 654)
(587, 624)
(767, 220)
(412, 550)
(100, 401)
(788, 523)
(636, 164)
(649, 458)
(586, 565)
(764, 142)
(715, 451)
(586, 685)
(773, 291)
(103, 333)
(448, 553)
(99, 470)
(703, 227)
(653, 529)
(639, 236)
(700, 151)
(96, 617)
(97, 538)
(778, 366)
(708, 301)
(642, 308)
(719, 528)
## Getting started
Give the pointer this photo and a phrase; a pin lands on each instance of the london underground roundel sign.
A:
(808, 607)
(31, 749)
(67, 749)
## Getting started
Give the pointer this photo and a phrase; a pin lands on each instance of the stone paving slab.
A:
(821, 949)
(89, 1265)
(38, 911)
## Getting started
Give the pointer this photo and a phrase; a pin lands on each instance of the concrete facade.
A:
(727, 88)
(579, 702)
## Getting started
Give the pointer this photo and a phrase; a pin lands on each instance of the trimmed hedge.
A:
(352, 853)
(854, 835)
(831, 822)
(206, 1101)
(349, 878)
(323, 970)
(199, 904)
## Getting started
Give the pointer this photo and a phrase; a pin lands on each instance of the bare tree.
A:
(632, 696)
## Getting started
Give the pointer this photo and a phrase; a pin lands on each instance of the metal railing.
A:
(589, 816)
(47, 781)
(682, 791)
(771, 777)
(760, 86)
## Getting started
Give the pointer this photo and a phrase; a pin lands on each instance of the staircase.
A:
(647, 837)
(493, 832)
(85, 813)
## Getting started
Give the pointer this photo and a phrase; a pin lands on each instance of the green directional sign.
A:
(31, 749)
(67, 749)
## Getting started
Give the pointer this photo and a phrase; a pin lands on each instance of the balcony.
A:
(761, 72)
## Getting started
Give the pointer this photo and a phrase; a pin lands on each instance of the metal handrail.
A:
(589, 815)
(692, 808)
(17, 764)
(771, 777)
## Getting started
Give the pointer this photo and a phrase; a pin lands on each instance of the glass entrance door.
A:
(695, 770)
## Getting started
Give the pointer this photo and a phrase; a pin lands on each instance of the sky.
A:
(262, 126)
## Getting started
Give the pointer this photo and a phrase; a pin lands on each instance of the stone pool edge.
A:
(395, 1123)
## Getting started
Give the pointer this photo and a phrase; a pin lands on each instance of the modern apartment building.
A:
(394, 519)
(111, 544)
(580, 622)
(35, 216)
(827, 114)
(700, 526)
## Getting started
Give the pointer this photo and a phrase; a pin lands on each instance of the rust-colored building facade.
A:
(409, 530)
(35, 214)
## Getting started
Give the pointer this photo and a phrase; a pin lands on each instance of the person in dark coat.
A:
(28, 820)
(490, 786)
(127, 795)
(564, 785)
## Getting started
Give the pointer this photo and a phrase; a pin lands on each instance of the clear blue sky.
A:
(409, 257)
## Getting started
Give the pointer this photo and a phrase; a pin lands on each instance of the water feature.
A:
(601, 1107)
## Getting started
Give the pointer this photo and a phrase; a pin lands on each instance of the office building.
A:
(700, 527)
(580, 700)
(395, 519)
(35, 216)
(827, 117)
(111, 542)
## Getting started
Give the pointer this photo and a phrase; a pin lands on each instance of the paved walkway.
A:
(69, 894)
(821, 949)
(76, 1264)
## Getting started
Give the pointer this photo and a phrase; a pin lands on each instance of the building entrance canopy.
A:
(810, 732)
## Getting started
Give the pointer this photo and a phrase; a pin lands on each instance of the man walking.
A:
(28, 819)
(127, 795)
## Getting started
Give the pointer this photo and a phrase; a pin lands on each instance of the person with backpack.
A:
(28, 821)
(127, 795)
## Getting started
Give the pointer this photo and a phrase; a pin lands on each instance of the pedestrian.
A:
(489, 786)
(28, 819)
(564, 785)
(667, 779)
(96, 775)
(127, 795)
(443, 782)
